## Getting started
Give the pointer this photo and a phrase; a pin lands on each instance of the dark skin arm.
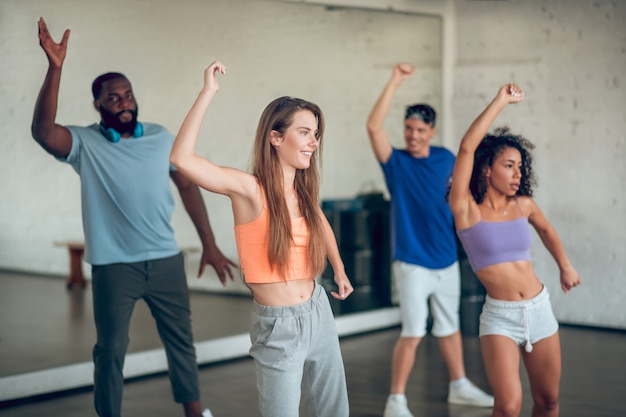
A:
(54, 138)
(194, 204)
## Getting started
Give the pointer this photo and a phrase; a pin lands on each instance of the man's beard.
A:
(111, 120)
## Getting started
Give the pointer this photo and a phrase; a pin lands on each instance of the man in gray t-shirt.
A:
(127, 206)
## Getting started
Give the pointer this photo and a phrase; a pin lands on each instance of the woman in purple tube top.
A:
(491, 199)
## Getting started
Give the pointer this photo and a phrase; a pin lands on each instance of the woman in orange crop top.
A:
(283, 240)
(491, 200)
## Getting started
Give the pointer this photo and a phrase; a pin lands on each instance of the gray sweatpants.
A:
(297, 347)
(162, 283)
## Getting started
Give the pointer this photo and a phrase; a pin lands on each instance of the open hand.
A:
(54, 51)
(221, 264)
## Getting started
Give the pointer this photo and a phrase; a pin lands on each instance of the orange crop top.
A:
(252, 241)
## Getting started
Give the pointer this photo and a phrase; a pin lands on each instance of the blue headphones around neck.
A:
(114, 136)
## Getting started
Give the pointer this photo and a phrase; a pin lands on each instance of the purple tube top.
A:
(490, 243)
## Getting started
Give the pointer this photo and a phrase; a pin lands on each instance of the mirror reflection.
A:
(329, 55)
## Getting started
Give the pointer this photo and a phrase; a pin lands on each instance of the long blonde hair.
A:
(278, 116)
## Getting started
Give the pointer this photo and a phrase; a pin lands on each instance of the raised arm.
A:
(552, 242)
(332, 252)
(54, 138)
(460, 195)
(375, 122)
(199, 170)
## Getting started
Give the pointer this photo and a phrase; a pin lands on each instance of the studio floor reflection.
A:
(592, 382)
(44, 325)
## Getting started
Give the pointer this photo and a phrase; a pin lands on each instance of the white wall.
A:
(338, 58)
(570, 57)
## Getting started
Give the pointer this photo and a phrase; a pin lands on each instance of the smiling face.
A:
(417, 135)
(505, 174)
(296, 145)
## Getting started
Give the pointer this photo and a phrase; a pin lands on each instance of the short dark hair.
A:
(96, 86)
(422, 112)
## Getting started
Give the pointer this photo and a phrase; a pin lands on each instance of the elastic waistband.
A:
(290, 311)
(543, 295)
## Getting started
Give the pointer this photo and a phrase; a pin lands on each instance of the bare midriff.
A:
(286, 293)
(510, 281)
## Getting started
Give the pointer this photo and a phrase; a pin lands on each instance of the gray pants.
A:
(162, 283)
(297, 347)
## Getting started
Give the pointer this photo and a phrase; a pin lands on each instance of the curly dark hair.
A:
(488, 151)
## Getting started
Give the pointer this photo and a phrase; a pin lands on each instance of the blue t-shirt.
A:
(421, 221)
(127, 202)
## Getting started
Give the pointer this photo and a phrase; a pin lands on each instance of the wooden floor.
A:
(593, 382)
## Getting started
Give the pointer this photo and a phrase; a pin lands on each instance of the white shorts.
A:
(415, 285)
(526, 322)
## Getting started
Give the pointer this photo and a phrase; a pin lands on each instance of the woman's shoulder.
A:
(527, 204)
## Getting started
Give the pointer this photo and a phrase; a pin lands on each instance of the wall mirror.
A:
(339, 55)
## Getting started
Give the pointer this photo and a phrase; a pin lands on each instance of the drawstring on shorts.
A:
(527, 346)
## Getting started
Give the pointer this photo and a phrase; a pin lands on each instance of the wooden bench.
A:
(76, 250)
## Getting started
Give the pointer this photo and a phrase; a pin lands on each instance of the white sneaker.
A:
(396, 407)
(469, 394)
(207, 413)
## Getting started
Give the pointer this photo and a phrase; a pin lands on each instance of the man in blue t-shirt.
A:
(127, 206)
(425, 263)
